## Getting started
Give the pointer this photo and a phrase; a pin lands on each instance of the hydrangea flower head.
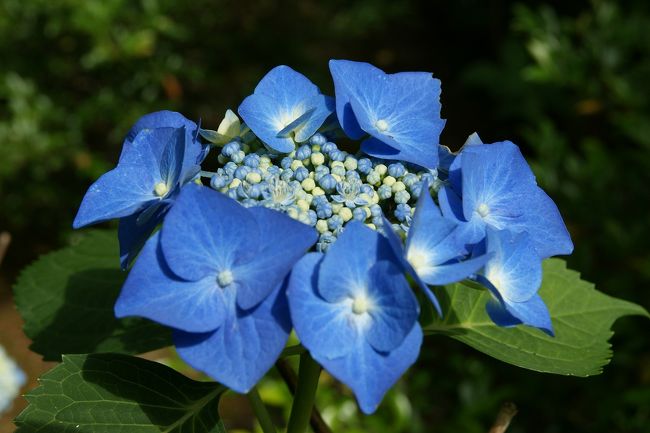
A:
(286, 108)
(355, 312)
(400, 112)
(214, 273)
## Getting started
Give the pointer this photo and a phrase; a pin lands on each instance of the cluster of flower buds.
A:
(298, 232)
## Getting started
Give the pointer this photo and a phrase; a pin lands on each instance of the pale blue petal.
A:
(206, 232)
(240, 352)
(266, 118)
(370, 374)
(394, 308)
(515, 269)
(283, 241)
(344, 270)
(346, 75)
(324, 328)
(153, 291)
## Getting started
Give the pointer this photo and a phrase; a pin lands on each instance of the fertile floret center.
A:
(483, 210)
(225, 278)
(360, 304)
(160, 189)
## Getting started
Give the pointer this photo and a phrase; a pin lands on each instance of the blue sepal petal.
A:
(240, 352)
(132, 233)
(153, 291)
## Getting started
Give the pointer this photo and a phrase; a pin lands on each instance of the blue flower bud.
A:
(359, 214)
(334, 222)
(272, 171)
(286, 175)
(352, 174)
(238, 157)
(402, 196)
(303, 152)
(378, 221)
(324, 210)
(409, 179)
(318, 139)
(327, 182)
(230, 168)
(415, 188)
(396, 169)
(384, 192)
(301, 174)
(364, 165)
(285, 163)
(232, 193)
(324, 241)
(375, 210)
(403, 212)
(321, 171)
(218, 181)
(230, 148)
(312, 217)
(328, 147)
(242, 171)
(338, 155)
(338, 170)
(252, 160)
(318, 200)
(255, 191)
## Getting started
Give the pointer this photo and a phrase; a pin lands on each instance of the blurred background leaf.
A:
(567, 81)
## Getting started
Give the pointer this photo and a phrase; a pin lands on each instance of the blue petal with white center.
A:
(153, 291)
(146, 174)
(240, 352)
(360, 323)
(401, 112)
(499, 190)
(285, 108)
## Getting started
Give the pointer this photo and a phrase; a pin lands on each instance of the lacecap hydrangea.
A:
(275, 221)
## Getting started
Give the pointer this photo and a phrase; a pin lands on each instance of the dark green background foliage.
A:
(567, 81)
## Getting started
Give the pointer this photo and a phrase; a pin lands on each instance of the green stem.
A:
(260, 411)
(303, 401)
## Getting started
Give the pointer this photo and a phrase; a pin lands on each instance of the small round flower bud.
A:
(308, 184)
(321, 226)
(375, 210)
(234, 184)
(409, 179)
(381, 169)
(253, 177)
(286, 162)
(286, 175)
(384, 192)
(317, 158)
(334, 222)
(403, 212)
(238, 157)
(317, 139)
(252, 160)
(230, 149)
(338, 155)
(373, 178)
(318, 192)
(242, 171)
(402, 197)
(327, 182)
(219, 181)
(295, 164)
(303, 152)
(324, 210)
(346, 214)
(338, 170)
(350, 163)
(364, 165)
(396, 169)
(328, 147)
(301, 174)
(389, 180)
(398, 186)
(360, 213)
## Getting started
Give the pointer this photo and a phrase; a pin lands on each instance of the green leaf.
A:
(109, 393)
(66, 299)
(582, 318)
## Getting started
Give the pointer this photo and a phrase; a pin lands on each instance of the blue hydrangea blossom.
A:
(491, 185)
(214, 273)
(286, 108)
(355, 312)
(400, 112)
